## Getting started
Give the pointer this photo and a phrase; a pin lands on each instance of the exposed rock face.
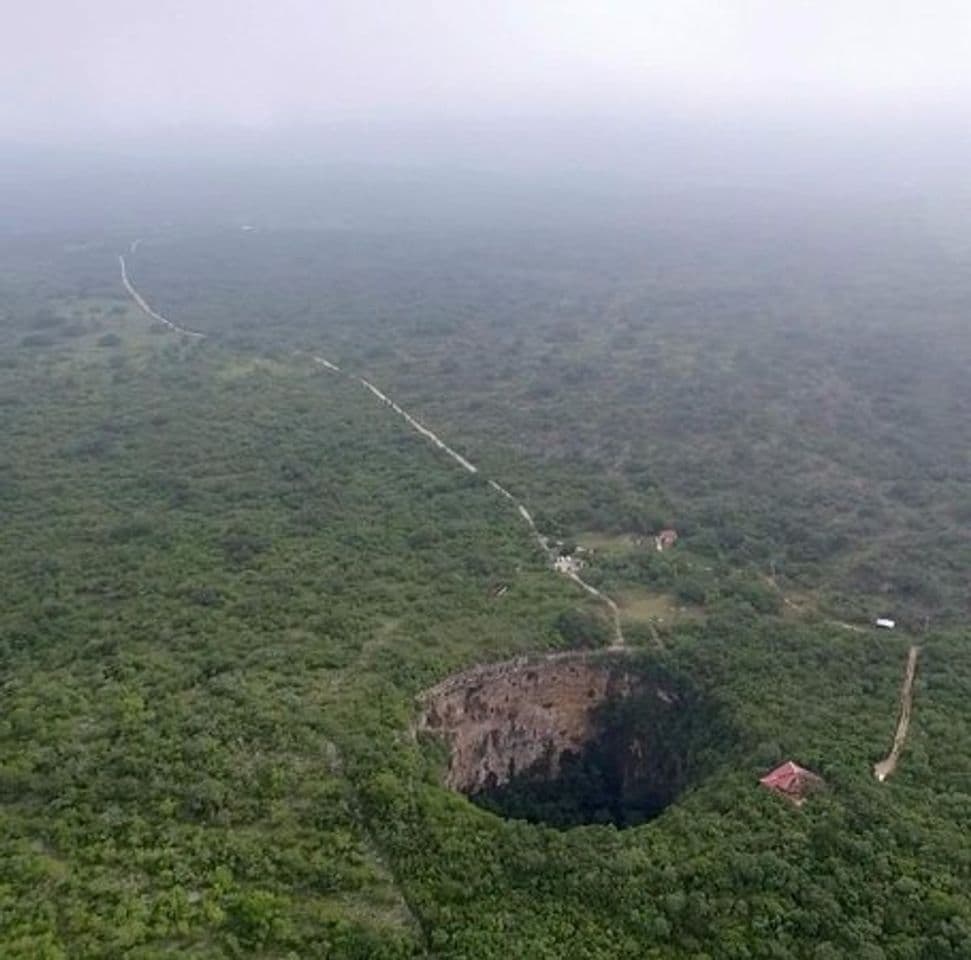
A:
(524, 714)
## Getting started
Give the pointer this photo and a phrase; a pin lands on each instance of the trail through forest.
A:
(885, 767)
(617, 642)
(143, 305)
(402, 903)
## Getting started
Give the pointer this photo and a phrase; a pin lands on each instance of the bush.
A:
(582, 629)
(36, 340)
(691, 591)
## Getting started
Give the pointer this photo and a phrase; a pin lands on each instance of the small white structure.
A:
(568, 565)
(886, 624)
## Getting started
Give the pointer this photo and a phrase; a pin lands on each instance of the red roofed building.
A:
(791, 781)
(666, 539)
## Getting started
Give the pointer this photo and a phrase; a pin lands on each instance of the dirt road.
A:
(327, 364)
(617, 643)
(143, 305)
(885, 767)
(415, 425)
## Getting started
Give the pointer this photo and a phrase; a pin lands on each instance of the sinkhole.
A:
(576, 740)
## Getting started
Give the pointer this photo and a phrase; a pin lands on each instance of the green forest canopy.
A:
(227, 575)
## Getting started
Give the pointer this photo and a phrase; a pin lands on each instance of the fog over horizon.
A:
(111, 71)
(799, 97)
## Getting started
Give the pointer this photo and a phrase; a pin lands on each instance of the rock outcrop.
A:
(521, 715)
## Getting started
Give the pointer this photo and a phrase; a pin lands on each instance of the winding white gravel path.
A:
(143, 304)
(424, 431)
(617, 643)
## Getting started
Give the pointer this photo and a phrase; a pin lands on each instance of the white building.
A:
(566, 564)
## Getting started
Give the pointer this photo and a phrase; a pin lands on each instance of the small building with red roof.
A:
(792, 782)
(666, 539)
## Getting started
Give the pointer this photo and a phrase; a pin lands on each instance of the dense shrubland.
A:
(227, 574)
(791, 397)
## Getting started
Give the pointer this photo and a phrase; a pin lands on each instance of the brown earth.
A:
(505, 718)
(886, 767)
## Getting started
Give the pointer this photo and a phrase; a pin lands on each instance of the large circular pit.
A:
(571, 740)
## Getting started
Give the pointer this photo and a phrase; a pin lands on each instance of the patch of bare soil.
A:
(886, 767)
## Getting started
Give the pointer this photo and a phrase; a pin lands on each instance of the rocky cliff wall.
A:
(524, 714)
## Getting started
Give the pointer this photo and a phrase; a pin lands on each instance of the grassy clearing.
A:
(93, 328)
(645, 606)
(607, 542)
(251, 366)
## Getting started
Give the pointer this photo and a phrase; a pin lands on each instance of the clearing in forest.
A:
(641, 605)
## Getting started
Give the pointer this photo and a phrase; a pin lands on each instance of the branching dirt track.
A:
(885, 767)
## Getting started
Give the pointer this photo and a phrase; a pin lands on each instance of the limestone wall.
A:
(504, 718)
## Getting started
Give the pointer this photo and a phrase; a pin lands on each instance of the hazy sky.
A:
(99, 67)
